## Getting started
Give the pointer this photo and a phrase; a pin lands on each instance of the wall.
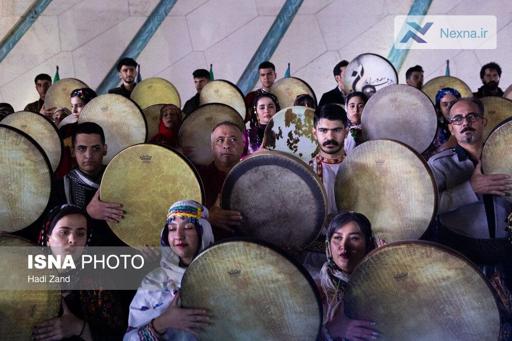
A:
(85, 38)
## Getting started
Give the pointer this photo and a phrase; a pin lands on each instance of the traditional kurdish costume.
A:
(159, 287)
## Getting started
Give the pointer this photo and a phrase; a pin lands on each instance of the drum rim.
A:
(46, 161)
(237, 90)
(299, 79)
(296, 264)
(264, 158)
(160, 79)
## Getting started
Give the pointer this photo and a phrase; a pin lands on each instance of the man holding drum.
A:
(227, 147)
(80, 186)
(267, 75)
(472, 212)
(330, 130)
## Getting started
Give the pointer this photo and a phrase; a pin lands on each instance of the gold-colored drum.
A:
(41, 130)
(122, 121)
(225, 92)
(392, 185)
(155, 90)
(420, 290)
(496, 110)
(431, 87)
(287, 89)
(25, 179)
(254, 292)
(147, 179)
(58, 95)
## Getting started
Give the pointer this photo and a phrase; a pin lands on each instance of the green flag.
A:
(56, 77)
(288, 72)
(447, 71)
(212, 77)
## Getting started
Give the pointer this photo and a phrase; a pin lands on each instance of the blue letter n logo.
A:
(410, 34)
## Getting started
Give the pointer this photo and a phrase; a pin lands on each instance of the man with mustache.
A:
(330, 130)
(490, 75)
(472, 211)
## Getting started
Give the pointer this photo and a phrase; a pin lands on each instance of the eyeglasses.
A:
(470, 118)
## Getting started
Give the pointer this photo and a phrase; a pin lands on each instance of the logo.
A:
(420, 29)
(145, 158)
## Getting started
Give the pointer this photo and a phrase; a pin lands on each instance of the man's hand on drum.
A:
(496, 184)
(62, 327)
(109, 211)
(191, 320)
(225, 219)
(360, 330)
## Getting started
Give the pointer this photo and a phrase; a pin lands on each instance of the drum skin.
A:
(431, 87)
(254, 292)
(422, 291)
(496, 110)
(41, 130)
(497, 152)
(281, 200)
(122, 121)
(147, 179)
(390, 184)
(225, 92)
(287, 89)
(25, 179)
(59, 93)
(22, 310)
(291, 130)
(369, 70)
(402, 113)
(195, 132)
(155, 90)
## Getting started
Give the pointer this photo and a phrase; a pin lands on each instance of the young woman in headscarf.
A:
(169, 126)
(265, 107)
(443, 140)
(85, 314)
(155, 312)
(349, 239)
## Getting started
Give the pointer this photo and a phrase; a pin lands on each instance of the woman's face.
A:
(348, 246)
(170, 117)
(355, 109)
(69, 235)
(265, 109)
(76, 105)
(446, 103)
(183, 238)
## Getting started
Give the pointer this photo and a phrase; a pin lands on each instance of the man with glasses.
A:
(472, 209)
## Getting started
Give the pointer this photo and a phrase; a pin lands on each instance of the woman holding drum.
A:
(349, 238)
(155, 311)
(85, 314)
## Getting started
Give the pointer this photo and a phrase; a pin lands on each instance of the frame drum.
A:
(431, 87)
(147, 179)
(58, 94)
(291, 130)
(496, 110)
(422, 291)
(25, 179)
(402, 113)
(280, 198)
(287, 89)
(391, 185)
(122, 121)
(21, 310)
(155, 90)
(496, 154)
(254, 292)
(369, 73)
(41, 130)
(225, 92)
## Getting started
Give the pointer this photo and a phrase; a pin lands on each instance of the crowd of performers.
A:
(471, 217)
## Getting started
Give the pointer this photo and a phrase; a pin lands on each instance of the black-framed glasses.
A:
(470, 118)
